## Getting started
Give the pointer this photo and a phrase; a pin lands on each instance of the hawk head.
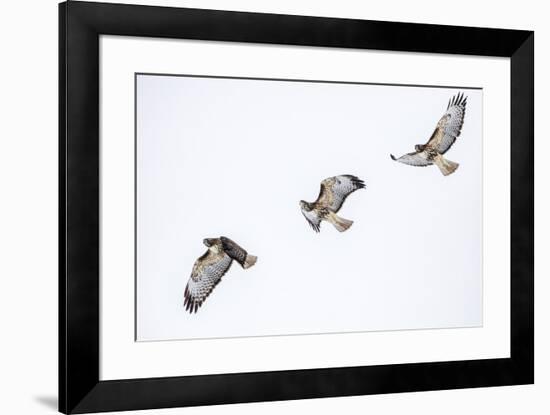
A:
(209, 242)
(305, 205)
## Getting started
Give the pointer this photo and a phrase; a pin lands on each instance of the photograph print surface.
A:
(285, 207)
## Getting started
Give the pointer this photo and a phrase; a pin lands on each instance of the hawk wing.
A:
(313, 219)
(450, 125)
(335, 190)
(207, 273)
(234, 250)
(419, 159)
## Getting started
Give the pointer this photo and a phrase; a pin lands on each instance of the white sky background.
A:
(234, 157)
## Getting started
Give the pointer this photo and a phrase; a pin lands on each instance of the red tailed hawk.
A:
(334, 192)
(209, 269)
(447, 130)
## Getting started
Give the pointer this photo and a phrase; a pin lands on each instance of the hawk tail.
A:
(249, 261)
(339, 223)
(445, 166)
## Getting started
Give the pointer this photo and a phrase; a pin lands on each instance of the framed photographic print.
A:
(260, 207)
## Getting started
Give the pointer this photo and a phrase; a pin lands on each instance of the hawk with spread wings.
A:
(209, 269)
(334, 192)
(445, 134)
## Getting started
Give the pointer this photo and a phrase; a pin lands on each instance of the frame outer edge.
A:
(236, 26)
(62, 131)
(522, 74)
(79, 195)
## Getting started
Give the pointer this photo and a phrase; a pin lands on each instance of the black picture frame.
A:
(80, 25)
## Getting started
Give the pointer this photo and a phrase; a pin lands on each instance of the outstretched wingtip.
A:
(393, 157)
(357, 182)
(458, 99)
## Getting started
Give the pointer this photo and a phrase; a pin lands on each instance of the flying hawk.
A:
(447, 130)
(209, 269)
(334, 192)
